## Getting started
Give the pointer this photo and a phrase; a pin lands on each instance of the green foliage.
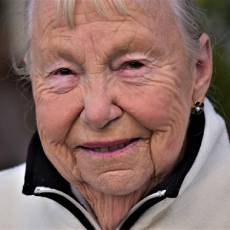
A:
(218, 13)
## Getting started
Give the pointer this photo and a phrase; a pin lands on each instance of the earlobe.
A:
(203, 69)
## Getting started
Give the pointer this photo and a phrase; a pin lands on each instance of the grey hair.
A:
(66, 8)
(192, 23)
(189, 17)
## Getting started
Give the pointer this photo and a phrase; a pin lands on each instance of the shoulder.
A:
(12, 179)
(29, 212)
(206, 187)
(203, 201)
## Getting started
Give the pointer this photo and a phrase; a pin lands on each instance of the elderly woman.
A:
(126, 138)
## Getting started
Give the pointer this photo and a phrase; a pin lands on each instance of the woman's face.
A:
(113, 95)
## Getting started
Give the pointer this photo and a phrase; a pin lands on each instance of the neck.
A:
(109, 210)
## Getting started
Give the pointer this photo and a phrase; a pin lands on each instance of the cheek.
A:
(55, 113)
(166, 148)
(165, 111)
(156, 108)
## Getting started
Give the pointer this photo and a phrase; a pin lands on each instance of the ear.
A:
(25, 59)
(203, 69)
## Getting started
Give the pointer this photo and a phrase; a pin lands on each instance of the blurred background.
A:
(218, 20)
(17, 117)
(16, 106)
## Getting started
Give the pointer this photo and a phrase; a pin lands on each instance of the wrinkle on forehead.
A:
(102, 8)
(86, 12)
(160, 24)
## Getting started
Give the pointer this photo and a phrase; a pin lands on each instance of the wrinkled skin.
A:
(103, 96)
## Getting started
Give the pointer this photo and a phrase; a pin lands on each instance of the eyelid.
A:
(139, 57)
(54, 72)
(50, 69)
(128, 64)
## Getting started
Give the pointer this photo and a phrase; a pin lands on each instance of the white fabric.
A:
(20, 212)
(203, 202)
(204, 199)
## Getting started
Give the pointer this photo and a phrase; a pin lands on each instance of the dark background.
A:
(218, 13)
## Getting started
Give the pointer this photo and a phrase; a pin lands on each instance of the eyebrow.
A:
(117, 53)
(69, 56)
(114, 52)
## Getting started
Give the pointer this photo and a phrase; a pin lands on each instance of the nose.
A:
(99, 110)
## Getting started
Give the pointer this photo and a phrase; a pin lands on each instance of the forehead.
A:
(57, 12)
(147, 20)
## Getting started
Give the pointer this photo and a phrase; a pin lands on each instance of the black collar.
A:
(172, 183)
(41, 173)
(195, 133)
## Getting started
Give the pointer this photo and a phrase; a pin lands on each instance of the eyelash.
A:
(62, 72)
(134, 64)
(129, 65)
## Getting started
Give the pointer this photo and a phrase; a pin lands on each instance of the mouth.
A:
(108, 147)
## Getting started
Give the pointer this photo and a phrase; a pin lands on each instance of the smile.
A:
(108, 147)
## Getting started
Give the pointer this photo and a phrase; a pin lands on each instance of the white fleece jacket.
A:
(203, 202)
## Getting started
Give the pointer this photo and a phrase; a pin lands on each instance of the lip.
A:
(88, 147)
(106, 143)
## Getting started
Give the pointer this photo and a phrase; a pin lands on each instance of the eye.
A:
(63, 72)
(132, 65)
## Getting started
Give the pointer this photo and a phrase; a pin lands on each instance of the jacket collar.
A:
(41, 173)
(173, 182)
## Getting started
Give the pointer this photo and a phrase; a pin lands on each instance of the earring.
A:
(198, 108)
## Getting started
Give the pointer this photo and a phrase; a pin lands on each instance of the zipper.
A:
(158, 194)
(42, 190)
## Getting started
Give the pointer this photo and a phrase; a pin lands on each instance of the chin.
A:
(119, 183)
